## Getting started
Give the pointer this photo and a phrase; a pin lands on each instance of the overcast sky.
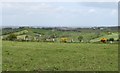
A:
(67, 14)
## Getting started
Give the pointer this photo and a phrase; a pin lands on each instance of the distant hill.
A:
(92, 34)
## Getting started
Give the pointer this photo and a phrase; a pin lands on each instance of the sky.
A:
(59, 14)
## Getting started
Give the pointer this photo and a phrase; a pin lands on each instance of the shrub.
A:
(80, 38)
(111, 39)
(12, 37)
(53, 36)
(118, 39)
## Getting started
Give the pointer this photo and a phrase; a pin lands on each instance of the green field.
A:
(42, 56)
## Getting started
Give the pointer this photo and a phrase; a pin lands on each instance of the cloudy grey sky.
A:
(67, 14)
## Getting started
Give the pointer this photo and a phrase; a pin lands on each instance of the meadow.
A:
(50, 56)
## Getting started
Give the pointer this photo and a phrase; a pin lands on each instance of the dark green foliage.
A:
(118, 39)
(26, 36)
(6, 31)
(110, 39)
(12, 37)
(80, 38)
(53, 36)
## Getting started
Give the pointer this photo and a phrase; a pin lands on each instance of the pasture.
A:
(46, 56)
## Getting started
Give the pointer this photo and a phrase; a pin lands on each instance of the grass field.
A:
(29, 56)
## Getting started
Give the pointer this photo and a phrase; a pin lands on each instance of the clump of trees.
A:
(12, 37)
(110, 39)
(118, 39)
(53, 36)
(104, 40)
(80, 38)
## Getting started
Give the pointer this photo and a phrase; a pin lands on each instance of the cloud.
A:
(26, 8)
(7, 5)
(42, 8)
(39, 6)
(114, 12)
(49, 8)
(36, 13)
(92, 11)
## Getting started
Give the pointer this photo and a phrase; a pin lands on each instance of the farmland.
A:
(59, 36)
(89, 34)
(41, 49)
(30, 56)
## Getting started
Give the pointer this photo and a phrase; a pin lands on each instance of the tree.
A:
(26, 38)
(111, 39)
(12, 37)
(53, 36)
(118, 39)
(80, 38)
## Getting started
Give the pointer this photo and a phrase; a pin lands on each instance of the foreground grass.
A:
(29, 56)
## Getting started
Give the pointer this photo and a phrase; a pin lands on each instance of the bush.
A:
(118, 39)
(80, 38)
(53, 36)
(111, 39)
(12, 37)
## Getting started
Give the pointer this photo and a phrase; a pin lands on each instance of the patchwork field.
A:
(41, 56)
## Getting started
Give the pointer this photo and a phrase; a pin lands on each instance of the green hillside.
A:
(89, 35)
(113, 35)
